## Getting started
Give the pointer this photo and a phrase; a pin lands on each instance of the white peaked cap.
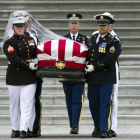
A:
(108, 14)
(18, 20)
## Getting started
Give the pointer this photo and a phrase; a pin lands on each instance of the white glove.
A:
(36, 60)
(32, 66)
(89, 68)
(87, 62)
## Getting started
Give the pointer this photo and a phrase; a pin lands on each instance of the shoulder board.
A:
(110, 36)
(92, 36)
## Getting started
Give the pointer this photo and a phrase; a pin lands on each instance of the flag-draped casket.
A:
(61, 58)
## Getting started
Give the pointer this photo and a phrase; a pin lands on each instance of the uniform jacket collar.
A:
(18, 36)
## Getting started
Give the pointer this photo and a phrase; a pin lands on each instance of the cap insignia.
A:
(19, 19)
(73, 15)
(101, 17)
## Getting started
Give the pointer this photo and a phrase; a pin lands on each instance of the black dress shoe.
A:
(23, 135)
(15, 134)
(113, 133)
(96, 133)
(109, 134)
(36, 133)
(74, 130)
(29, 134)
(103, 135)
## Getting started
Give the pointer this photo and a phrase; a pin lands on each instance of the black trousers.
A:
(38, 106)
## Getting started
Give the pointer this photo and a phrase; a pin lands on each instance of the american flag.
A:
(72, 53)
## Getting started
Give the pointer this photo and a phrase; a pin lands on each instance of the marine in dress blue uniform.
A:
(103, 53)
(74, 89)
(38, 105)
(21, 78)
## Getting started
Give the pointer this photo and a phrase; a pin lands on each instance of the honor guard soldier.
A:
(103, 53)
(115, 94)
(38, 105)
(21, 78)
(74, 89)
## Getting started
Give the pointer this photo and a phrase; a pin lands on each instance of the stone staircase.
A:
(52, 15)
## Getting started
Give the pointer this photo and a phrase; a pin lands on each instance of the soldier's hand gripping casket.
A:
(61, 58)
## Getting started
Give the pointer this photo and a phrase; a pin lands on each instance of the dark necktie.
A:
(73, 37)
(100, 39)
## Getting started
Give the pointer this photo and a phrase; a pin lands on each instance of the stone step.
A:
(129, 60)
(68, 5)
(61, 14)
(85, 119)
(61, 110)
(131, 80)
(60, 99)
(124, 60)
(123, 32)
(124, 71)
(90, 23)
(126, 50)
(3, 70)
(134, 80)
(128, 71)
(3, 60)
(129, 89)
(64, 0)
(51, 89)
(126, 40)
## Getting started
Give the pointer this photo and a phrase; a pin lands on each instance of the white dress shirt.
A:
(74, 35)
(97, 39)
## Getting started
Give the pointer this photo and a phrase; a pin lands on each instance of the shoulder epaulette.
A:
(92, 36)
(110, 36)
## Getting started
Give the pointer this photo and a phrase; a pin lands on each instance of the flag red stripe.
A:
(61, 50)
(47, 47)
(76, 49)
(82, 54)
(43, 63)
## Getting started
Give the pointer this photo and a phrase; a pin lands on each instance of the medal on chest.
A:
(31, 42)
(102, 47)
